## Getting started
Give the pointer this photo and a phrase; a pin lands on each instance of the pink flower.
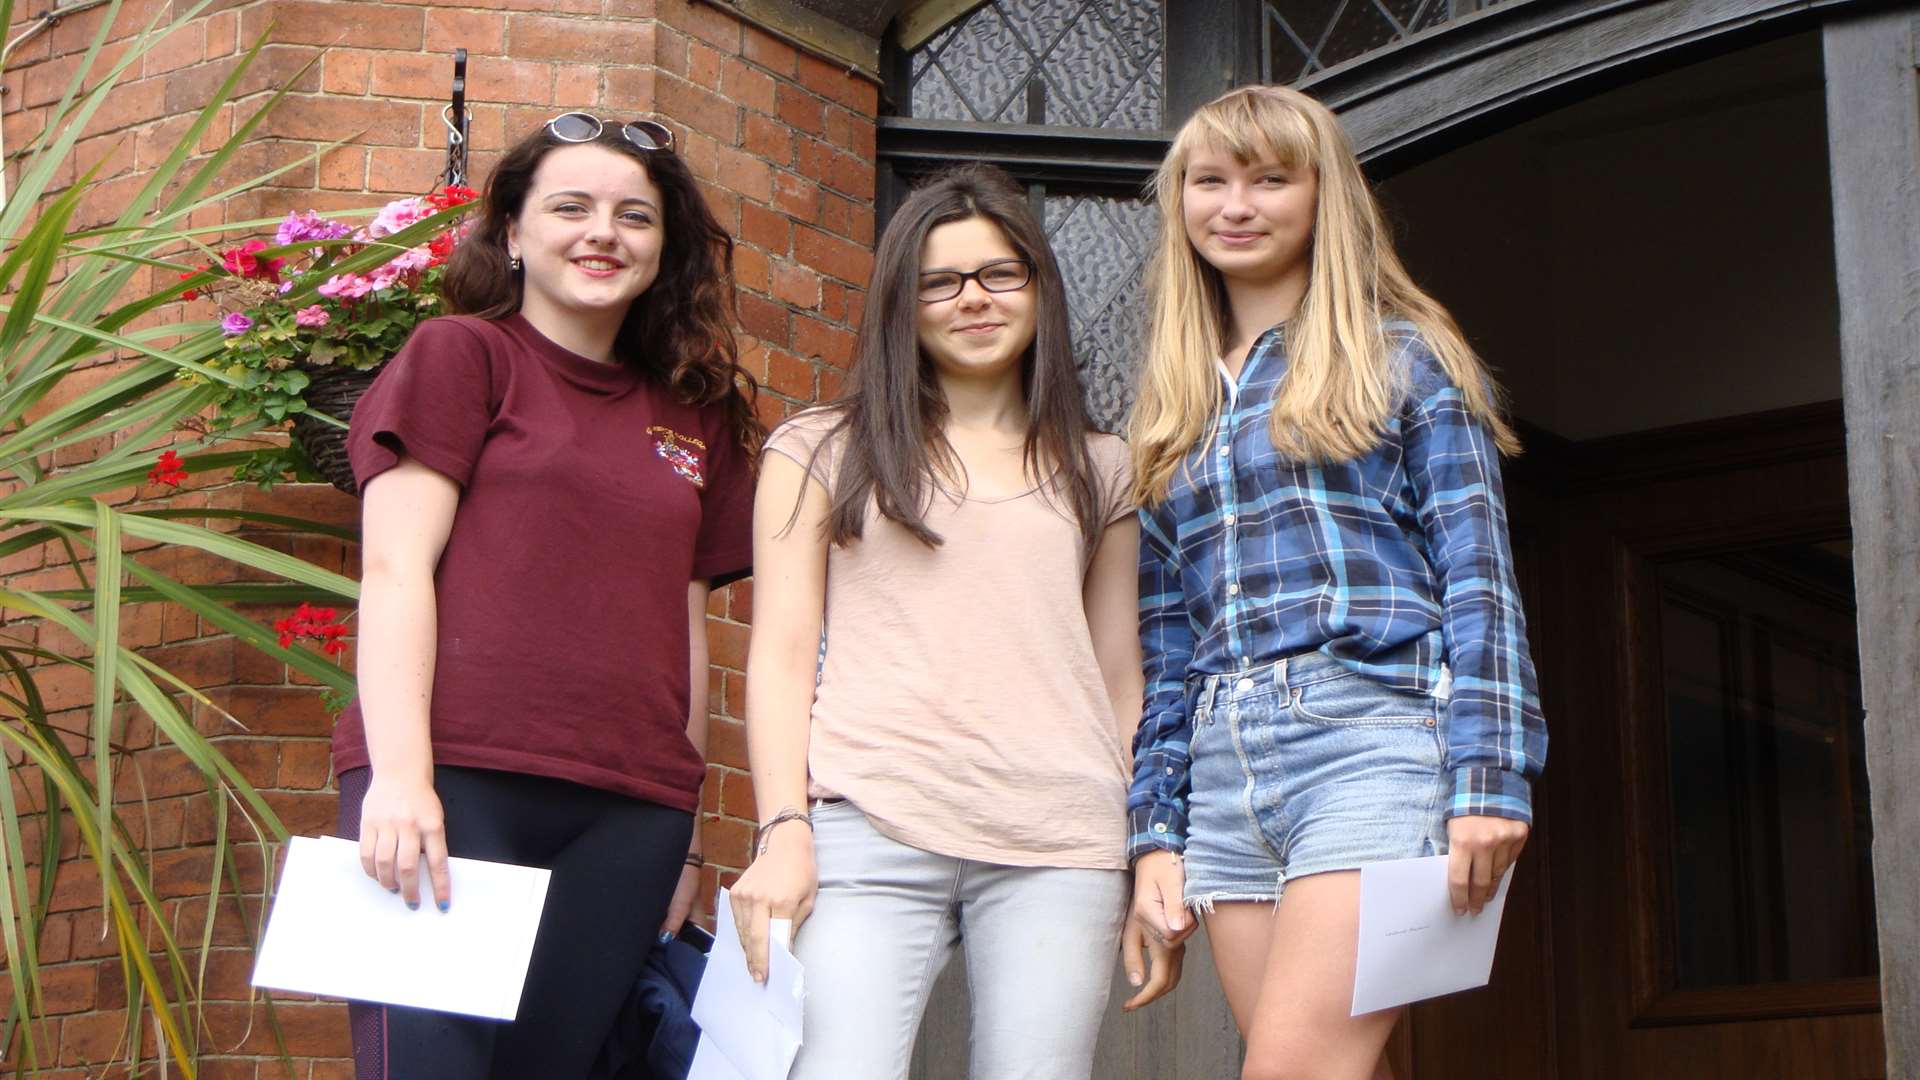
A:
(397, 215)
(414, 258)
(313, 315)
(307, 225)
(235, 324)
(346, 287)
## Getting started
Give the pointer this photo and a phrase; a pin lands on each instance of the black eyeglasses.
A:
(579, 127)
(1007, 275)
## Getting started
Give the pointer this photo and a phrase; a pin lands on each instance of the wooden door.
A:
(1710, 887)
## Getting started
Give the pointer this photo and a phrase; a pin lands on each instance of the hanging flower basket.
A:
(332, 391)
(310, 319)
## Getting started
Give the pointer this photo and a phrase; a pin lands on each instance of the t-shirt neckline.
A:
(579, 370)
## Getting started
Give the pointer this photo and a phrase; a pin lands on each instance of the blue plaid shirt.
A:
(1392, 564)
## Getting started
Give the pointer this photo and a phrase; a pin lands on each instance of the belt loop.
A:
(1280, 675)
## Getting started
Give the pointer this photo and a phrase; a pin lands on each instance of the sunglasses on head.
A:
(579, 127)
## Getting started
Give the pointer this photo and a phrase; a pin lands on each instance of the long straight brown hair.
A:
(889, 428)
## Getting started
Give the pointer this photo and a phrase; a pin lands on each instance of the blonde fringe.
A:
(1341, 385)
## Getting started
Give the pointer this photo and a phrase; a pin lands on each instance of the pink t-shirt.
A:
(960, 706)
(589, 498)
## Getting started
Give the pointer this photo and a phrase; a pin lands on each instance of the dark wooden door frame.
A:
(1873, 132)
(1413, 101)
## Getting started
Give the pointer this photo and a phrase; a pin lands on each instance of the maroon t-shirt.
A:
(589, 499)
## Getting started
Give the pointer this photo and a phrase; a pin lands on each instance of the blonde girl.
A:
(1336, 660)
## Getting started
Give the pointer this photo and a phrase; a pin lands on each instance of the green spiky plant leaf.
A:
(65, 319)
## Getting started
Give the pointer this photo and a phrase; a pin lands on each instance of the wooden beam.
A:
(1410, 100)
(1873, 132)
(916, 25)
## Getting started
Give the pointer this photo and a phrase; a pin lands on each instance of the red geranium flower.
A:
(310, 623)
(244, 261)
(192, 294)
(169, 471)
(451, 196)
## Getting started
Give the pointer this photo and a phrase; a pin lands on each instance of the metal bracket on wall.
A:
(456, 118)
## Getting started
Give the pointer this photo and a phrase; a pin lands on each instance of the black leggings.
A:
(615, 862)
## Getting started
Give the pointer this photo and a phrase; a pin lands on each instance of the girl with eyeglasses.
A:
(1336, 659)
(554, 476)
(945, 669)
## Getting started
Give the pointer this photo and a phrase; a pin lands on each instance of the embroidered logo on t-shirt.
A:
(680, 451)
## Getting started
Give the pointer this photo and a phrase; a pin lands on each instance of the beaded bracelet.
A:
(781, 818)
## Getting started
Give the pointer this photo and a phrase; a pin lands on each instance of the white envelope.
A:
(335, 931)
(1412, 945)
(748, 1030)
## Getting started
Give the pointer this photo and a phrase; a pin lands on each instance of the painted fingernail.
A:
(666, 936)
(393, 889)
(413, 905)
(444, 905)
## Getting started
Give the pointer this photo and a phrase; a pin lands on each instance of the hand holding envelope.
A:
(748, 1030)
(1412, 945)
(335, 931)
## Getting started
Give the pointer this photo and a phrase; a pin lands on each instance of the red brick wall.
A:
(784, 143)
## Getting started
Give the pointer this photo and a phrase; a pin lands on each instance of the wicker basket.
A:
(333, 391)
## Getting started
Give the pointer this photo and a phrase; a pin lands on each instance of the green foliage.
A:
(63, 313)
(301, 305)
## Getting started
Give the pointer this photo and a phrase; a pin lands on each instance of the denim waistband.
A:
(1288, 672)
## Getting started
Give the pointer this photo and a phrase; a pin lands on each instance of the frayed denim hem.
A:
(1202, 903)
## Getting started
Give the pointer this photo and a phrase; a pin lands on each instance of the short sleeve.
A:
(803, 438)
(432, 402)
(723, 551)
(1113, 464)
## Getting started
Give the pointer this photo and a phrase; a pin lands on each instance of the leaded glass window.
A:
(1103, 244)
(1073, 63)
(1301, 37)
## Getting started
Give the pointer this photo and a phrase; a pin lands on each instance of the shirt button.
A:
(1160, 826)
(1233, 589)
(1228, 519)
(1169, 770)
(1223, 451)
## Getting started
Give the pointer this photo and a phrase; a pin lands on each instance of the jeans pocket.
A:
(1357, 701)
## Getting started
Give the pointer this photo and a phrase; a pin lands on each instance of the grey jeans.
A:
(1040, 948)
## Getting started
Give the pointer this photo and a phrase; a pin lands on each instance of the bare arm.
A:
(789, 605)
(697, 703)
(406, 517)
(1112, 599)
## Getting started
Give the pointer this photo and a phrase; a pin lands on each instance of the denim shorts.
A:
(1304, 767)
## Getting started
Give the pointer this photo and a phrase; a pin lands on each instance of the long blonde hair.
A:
(1341, 384)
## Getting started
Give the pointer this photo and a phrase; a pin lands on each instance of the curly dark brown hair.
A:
(680, 331)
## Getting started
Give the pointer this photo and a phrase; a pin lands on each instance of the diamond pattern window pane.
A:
(1301, 37)
(1103, 244)
(1093, 63)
